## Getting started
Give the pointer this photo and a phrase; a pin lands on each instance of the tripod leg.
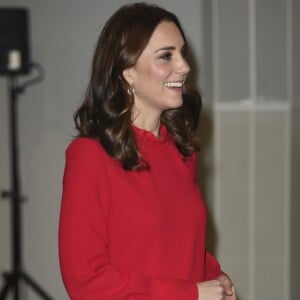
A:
(4, 290)
(8, 279)
(35, 287)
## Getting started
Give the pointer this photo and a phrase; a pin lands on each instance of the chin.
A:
(175, 104)
(171, 103)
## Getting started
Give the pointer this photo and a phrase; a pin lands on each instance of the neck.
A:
(148, 124)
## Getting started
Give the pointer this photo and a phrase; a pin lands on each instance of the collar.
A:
(145, 137)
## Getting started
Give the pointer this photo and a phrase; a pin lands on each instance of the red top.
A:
(132, 235)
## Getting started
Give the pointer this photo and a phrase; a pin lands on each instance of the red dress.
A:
(134, 235)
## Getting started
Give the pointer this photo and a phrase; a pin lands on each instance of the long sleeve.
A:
(84, 237)
(212, 267)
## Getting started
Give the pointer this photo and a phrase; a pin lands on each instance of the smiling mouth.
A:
(174, 84)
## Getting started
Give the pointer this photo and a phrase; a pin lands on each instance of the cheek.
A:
(160, 72)
(155, 74)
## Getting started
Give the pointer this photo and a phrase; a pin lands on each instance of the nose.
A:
(183, 67)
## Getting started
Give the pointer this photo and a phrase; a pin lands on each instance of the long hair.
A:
(107, 108)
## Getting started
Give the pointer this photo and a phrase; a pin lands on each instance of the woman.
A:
(132, 222)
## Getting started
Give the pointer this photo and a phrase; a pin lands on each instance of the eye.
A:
(184, 52)
(166, 56)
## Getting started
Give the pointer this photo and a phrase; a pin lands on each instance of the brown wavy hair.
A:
(107, 108)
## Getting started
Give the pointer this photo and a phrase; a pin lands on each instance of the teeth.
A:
(174, 84)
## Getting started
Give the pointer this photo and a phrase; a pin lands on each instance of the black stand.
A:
(12, 278)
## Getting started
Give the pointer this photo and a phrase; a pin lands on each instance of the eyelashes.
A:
(168, 54)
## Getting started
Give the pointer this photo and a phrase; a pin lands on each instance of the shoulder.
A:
(85, 154)
(83, 143)
(84, 146)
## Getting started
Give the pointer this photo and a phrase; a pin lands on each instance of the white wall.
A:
(63, 35)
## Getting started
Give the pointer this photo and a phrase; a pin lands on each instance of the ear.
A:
(128, 75)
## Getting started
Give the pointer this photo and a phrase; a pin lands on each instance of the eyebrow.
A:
(166, 48)
(170, 48)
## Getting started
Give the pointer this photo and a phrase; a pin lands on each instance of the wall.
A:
(295, 162)
(63, 35)
(252, 94)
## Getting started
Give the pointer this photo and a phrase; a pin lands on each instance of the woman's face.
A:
(160, 72)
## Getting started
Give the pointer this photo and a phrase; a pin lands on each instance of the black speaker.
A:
(14, 41)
